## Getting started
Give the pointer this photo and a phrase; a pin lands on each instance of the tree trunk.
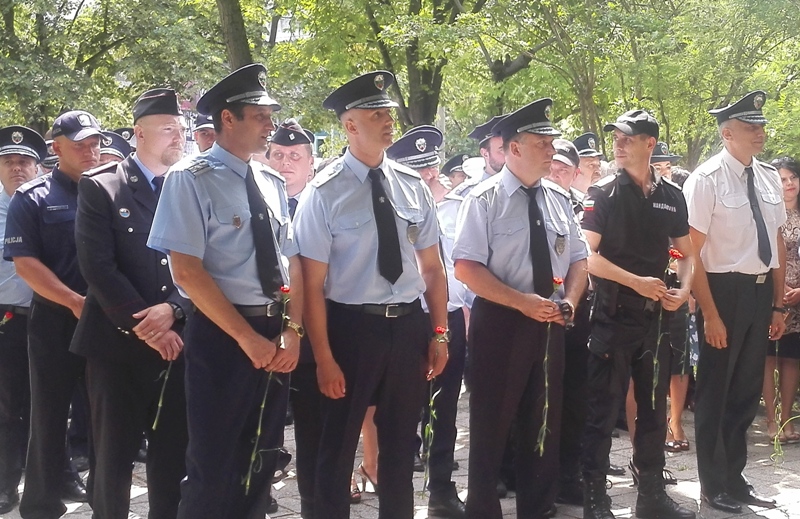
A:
(237, 47)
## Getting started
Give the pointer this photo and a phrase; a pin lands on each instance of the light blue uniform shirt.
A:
(203, 212)
(13, 290)
(149, 175)
(493, 229)
(335, 224)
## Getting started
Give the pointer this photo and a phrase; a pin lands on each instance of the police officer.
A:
(630, 220)
(21, 149)
(419, 150)
(490, 147)
(224, 221)
(735, 212)
(40, 237)
(129, 135)
(49, 162)
(662, 160)
(113, 148)
(368, 241)
(204, 133)
(132, 317)
(453, 169)
(514, 237)
(590, 161)
(564, 169)
(290, 155)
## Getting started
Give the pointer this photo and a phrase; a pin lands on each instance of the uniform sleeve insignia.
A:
(198, 166)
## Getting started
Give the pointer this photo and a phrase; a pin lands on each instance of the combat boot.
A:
(596, 504)
(654, 503)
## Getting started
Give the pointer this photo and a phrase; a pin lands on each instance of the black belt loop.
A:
(389, 311)
(21, 310)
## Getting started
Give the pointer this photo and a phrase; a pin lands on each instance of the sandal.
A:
(355, 492)
(777, 434)
(674, 446)
(684, 444)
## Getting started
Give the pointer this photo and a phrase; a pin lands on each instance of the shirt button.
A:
(163, 261)
(130, 229)
(164, 288)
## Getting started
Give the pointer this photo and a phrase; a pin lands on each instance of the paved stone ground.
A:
(778, 479)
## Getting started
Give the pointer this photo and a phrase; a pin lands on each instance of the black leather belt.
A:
(391, 311)
(269, 310)
(21, 310)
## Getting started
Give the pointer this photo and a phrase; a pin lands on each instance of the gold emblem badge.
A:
(237, 221)
(561, 244)
(421, 144)
(413, 233)
(758, 101)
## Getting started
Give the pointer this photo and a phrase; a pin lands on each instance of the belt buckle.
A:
(272, 309)
(760, 279)
(388, 312)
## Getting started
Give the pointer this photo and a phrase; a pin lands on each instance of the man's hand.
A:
(674, 298)
(651, 288)
(156, 320)
(792, 297)
(716, 334)
(259, 349)
(287, 354)
(76, 305)
(777, 326)
(330, 379)
(437, 358)
(168, 344)
(541, 309)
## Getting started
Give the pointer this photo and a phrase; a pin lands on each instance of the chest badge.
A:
(561, 244)
(413, 233)
(134, 178)
(237, 221)
(124, 212)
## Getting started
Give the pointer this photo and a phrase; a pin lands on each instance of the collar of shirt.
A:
(625, 177)
(149, 175)
(733, 163)
(360, 169)
(233, 162)
(62, 178)
(511, 183)
(5, 198)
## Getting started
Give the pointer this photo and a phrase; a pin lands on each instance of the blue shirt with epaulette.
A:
(41, 225)
(203, 212)
(335, 224)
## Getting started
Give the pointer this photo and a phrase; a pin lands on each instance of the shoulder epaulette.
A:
(486, 185)
(330, 171)
(466, 185)
(198, 166)
(272, 172)
(552, 186)
(38, 181)
(710, 166)
(405, 170)
(767, 165)
(111, 167)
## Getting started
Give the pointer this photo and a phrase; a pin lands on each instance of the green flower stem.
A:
(254, 454)
(543, 429)
(161, 395)
(429, 432)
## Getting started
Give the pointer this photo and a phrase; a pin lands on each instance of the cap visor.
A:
(380, 103)
(546, 130)
(202, 126)
(754, 119)
(83, 134)
(14, 150)
(665, 158)
(584, 154)
(624, 128)
(563, 159)
(264, 100)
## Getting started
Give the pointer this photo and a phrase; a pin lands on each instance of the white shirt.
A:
(716, 196)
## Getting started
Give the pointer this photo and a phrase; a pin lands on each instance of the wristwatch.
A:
(780, 309)
(177, 311)
(299, 330)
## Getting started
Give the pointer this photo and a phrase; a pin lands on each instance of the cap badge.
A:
(591, 143)
(16, 137)
(758, 101)
(124, 212)
(291, 136)
(547, 112)
(126, 135)
(262, 79)
(379, 83)
(421, 144)
(84, 120)
(664, 149)
(464, 158)
(107, 141)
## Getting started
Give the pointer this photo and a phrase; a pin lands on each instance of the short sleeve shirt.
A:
(41, 225)
(203, 211)
(13, 289)
(335, 224)
(493, 229)
(635, 228)
(716, 193)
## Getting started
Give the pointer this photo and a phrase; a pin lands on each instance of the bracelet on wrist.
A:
(780, 309)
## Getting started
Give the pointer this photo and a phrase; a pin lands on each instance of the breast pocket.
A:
(350, 228)
(235, 215)
(737, 210)
(772, 208)
(59, 216)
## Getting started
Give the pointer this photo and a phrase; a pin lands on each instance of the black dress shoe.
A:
(448, 505)
(502, 490)
(551, 512)
(81, 463)
(724, 502)
(419, 466)
(455, 466)
(570, 492)
(751, 497)
(273, 506)
(615, 470)
(8, 500)
(74, 490)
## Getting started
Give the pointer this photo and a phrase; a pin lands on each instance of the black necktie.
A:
(764, 250)
(158, 182)
(390, 263)
(269, 272)
(292, 206)
(540, 248)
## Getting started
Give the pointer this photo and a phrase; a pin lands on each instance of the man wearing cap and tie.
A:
(419, 149)
(130, 327)
(490, 146)
(21, 149)
(113, 148)
(735, 213)
(515, 236)
(630, 220)
(589, 168)
(291, 154)
(368, 240)
(224, 221)
(40, 237)
(204, 133)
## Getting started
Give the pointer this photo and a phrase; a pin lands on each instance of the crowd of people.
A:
(184, 306)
